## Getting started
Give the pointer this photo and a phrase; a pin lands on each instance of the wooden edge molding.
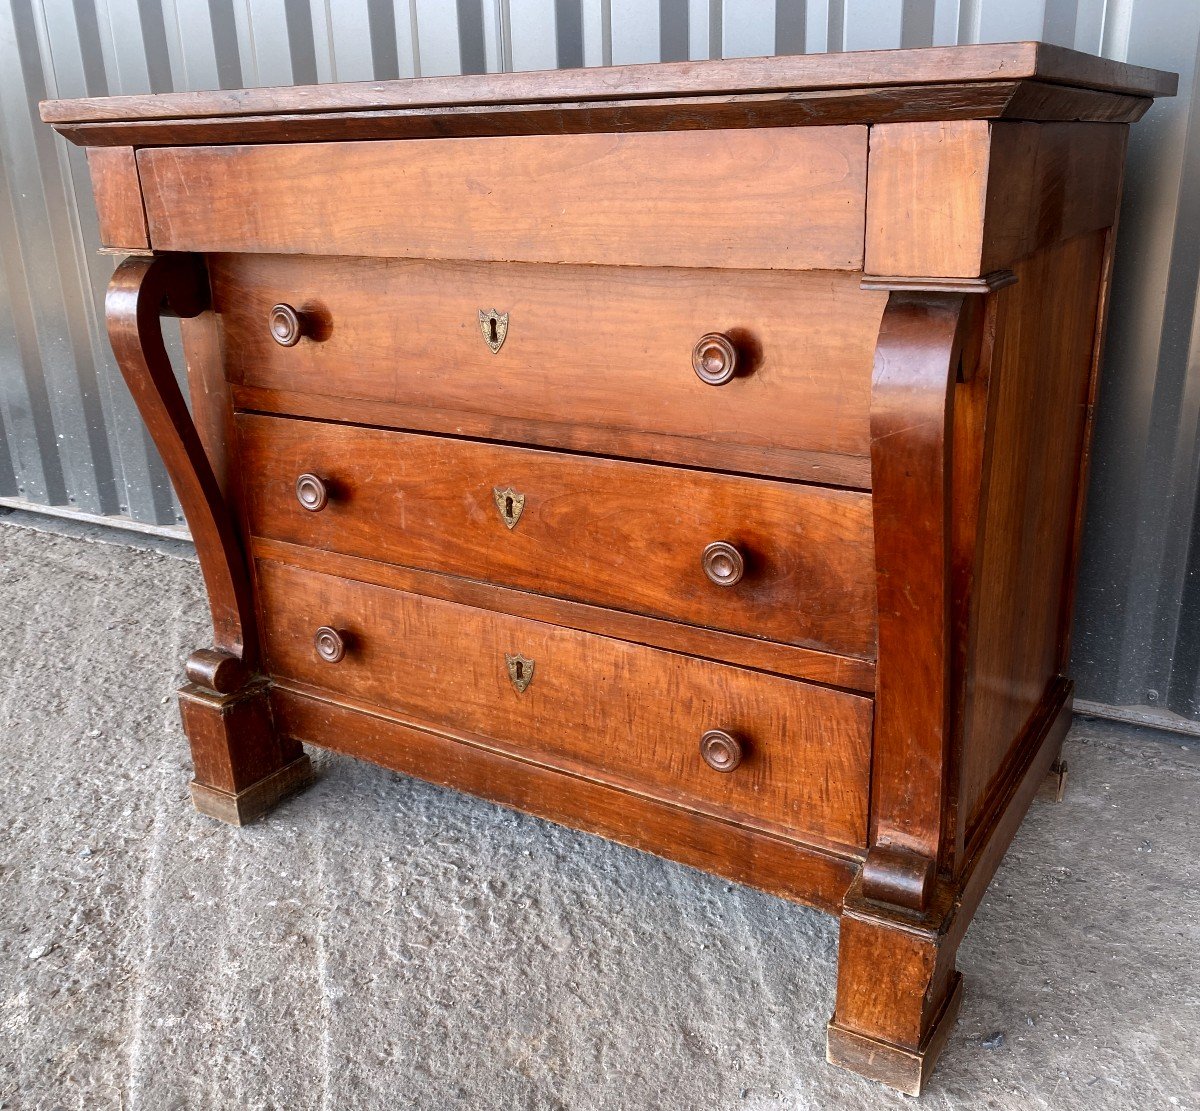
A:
(960, 64)
(979, 100)
(141, 291)
(989, 283)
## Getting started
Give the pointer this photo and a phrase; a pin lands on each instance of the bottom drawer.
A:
(631, 715)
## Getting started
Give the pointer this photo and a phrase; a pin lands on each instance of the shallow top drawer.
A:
(761, 198)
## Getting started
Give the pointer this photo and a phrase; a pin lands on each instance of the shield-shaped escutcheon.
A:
(494, 326)
(520, 671)
(509, 504)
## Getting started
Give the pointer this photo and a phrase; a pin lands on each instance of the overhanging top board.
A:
(1009, 80)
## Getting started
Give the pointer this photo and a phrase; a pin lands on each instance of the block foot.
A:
(250, 803)
(897, 1066)
(243, 766)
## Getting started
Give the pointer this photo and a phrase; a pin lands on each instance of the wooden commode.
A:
(693, 454)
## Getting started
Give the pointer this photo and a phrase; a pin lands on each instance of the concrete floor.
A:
(379, 943)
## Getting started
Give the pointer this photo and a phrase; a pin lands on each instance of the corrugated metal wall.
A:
(69, 436)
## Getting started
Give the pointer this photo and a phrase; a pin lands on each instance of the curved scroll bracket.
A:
(919, 358)
(141, 292)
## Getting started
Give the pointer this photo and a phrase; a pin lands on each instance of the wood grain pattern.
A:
(916, 364)
(927, 198)
(211, 401)
(611, 347)
(1042, 367)
(1044, 102)
(757, 198)
(622, 535)
(983, 62)
(1049, 183)
(826, 668)
(118, 194)
(894, 981)
(780, 865)
(974, 406)
(633, 716)
(970, 197)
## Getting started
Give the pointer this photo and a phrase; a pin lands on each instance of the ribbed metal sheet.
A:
(69, 436)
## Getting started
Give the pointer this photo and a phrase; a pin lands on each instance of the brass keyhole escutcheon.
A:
(509, 504)
(520, 671)
(494, 326)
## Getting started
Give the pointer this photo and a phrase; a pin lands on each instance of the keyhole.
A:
(492, 329)
(508, 506)
(520, 671)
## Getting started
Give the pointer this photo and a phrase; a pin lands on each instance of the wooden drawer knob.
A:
(287, 325)
(330, 644)
(721, 752)
(312, 493)
(723, 563)
(714, 358)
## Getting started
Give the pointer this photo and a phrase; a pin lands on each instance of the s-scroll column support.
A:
(242, 767)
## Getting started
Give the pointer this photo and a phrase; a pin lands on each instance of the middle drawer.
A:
(779, 560)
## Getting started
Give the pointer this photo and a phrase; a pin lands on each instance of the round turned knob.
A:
(723, 563)
(714, 359)
(330, 644)
(287, 325)
(312, 493)
(721, 752)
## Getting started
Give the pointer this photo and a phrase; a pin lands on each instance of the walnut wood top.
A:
(830, 88)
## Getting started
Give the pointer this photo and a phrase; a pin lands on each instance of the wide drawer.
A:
(768, 198)
(627, 535)
(630, 715)
(593, 358)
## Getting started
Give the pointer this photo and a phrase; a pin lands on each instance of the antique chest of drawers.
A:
(693, 454)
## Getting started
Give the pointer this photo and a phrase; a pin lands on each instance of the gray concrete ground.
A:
(380, 943)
